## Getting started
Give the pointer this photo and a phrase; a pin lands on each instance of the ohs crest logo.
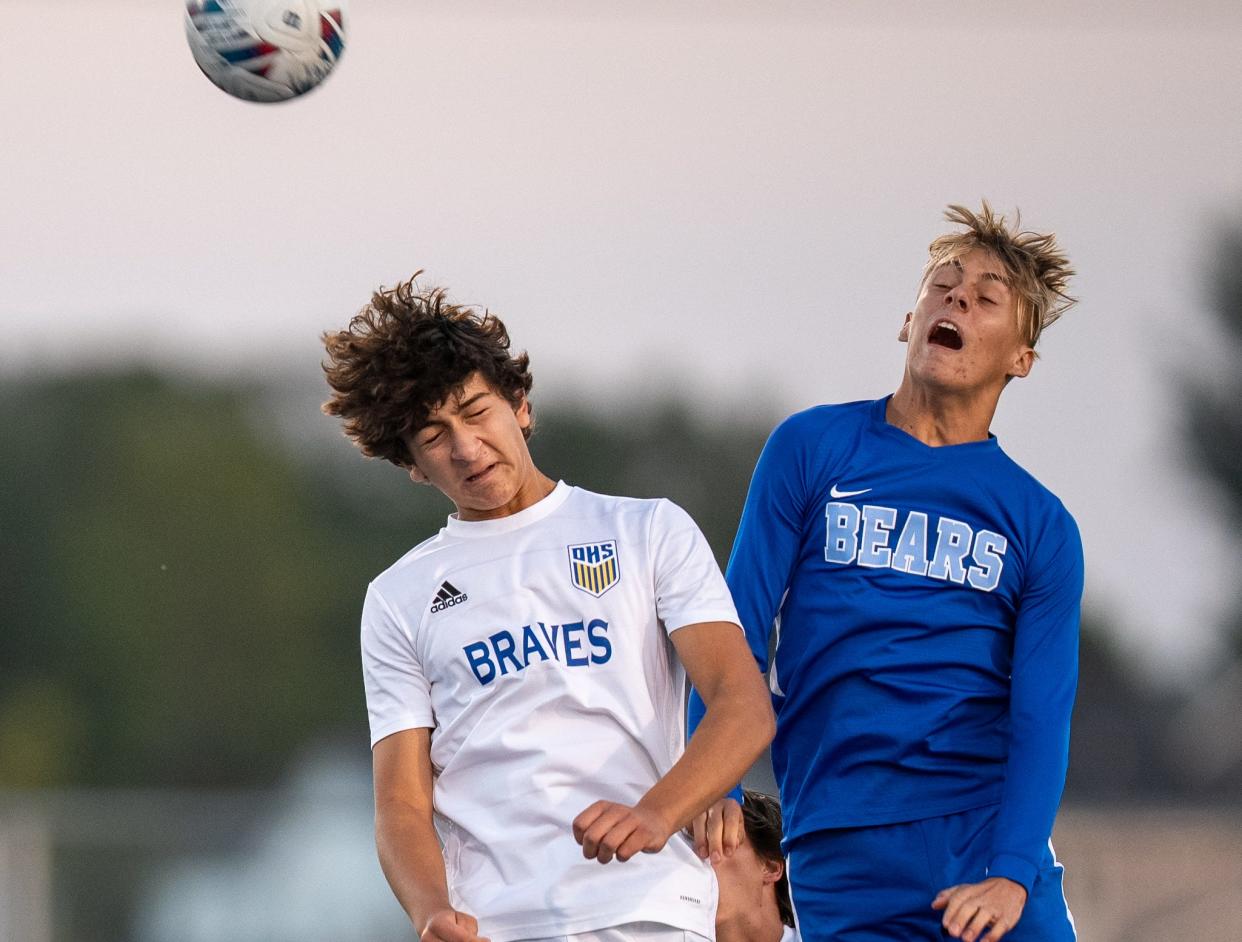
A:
(594, 567)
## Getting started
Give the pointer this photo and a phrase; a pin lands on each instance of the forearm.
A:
(1041, 700)
(410, 856)
(735, 729)
(1034, 780)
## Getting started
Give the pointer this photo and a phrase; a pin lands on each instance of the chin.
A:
(489, 501)
(944, 376)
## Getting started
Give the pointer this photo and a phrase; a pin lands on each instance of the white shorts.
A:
(629, 932)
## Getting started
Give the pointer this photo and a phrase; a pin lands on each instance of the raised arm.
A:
(405, 837)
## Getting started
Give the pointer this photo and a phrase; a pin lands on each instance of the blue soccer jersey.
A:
(925, 602)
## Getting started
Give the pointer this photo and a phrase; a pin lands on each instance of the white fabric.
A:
(543, 698)
(630, 932)
(790, 935)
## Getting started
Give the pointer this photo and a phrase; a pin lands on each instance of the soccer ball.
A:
(266, 50)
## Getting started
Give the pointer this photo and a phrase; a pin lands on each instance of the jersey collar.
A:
(523, 518)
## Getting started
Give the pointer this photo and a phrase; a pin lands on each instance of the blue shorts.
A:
(876, 884)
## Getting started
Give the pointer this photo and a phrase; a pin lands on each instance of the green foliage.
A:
(181, 589)
(163, 589)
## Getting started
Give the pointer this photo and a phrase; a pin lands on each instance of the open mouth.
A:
(944, 334)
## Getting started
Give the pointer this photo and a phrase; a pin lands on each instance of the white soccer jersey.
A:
(536, 647)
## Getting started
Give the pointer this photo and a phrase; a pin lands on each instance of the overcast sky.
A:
(737, 195)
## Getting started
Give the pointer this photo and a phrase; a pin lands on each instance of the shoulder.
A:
(801, 446)
(583, 501)
(415, 567)
(1042, 502)
(637, 512)
(819, 420)
(1050, 528)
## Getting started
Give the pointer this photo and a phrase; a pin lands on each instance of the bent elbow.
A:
(756, 725)
(769, 724)
(766, 725)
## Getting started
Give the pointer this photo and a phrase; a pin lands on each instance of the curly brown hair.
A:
(406, 353)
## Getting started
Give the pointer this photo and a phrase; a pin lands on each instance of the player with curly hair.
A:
(525, 667)
(925, 594)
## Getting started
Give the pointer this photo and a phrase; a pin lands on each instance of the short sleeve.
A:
(398, 694)
(689, 587)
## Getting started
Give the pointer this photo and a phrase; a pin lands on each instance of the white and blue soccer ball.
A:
(266, 50)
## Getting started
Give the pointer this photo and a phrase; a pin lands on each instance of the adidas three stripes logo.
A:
(448, 596)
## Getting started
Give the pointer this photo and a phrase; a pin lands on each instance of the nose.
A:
(957, 297)
(465, 446)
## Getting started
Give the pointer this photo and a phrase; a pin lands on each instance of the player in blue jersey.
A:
(921, 594)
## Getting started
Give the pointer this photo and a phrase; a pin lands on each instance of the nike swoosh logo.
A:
(839, 494)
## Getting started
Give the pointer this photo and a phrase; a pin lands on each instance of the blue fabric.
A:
(873, 884)
(926, 654)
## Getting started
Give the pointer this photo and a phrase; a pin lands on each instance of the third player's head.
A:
(986, 295)
(432, 387)
(753, 883)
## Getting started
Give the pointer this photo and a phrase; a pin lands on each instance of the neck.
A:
(936, 418)
(763, 925)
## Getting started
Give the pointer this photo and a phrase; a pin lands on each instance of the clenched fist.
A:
(607, 829)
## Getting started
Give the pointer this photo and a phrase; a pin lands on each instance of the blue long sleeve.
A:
(769, 536)
(766, 546)
(1043, 681)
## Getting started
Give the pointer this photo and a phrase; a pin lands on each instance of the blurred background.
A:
(697, 217)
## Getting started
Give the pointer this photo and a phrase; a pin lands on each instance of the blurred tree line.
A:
(181, 586)
(1213, 400)
(1129, 740)
(181, 583)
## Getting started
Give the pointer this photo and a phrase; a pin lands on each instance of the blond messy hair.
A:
(1038, 270)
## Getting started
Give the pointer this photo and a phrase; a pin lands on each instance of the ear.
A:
(773, 870)
(1022, 363)
(417, 476)
(522, 411)
(904, 334)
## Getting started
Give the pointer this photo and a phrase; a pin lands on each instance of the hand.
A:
(970, 908)
(448, 925)
(718, 831)
(608, 829)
